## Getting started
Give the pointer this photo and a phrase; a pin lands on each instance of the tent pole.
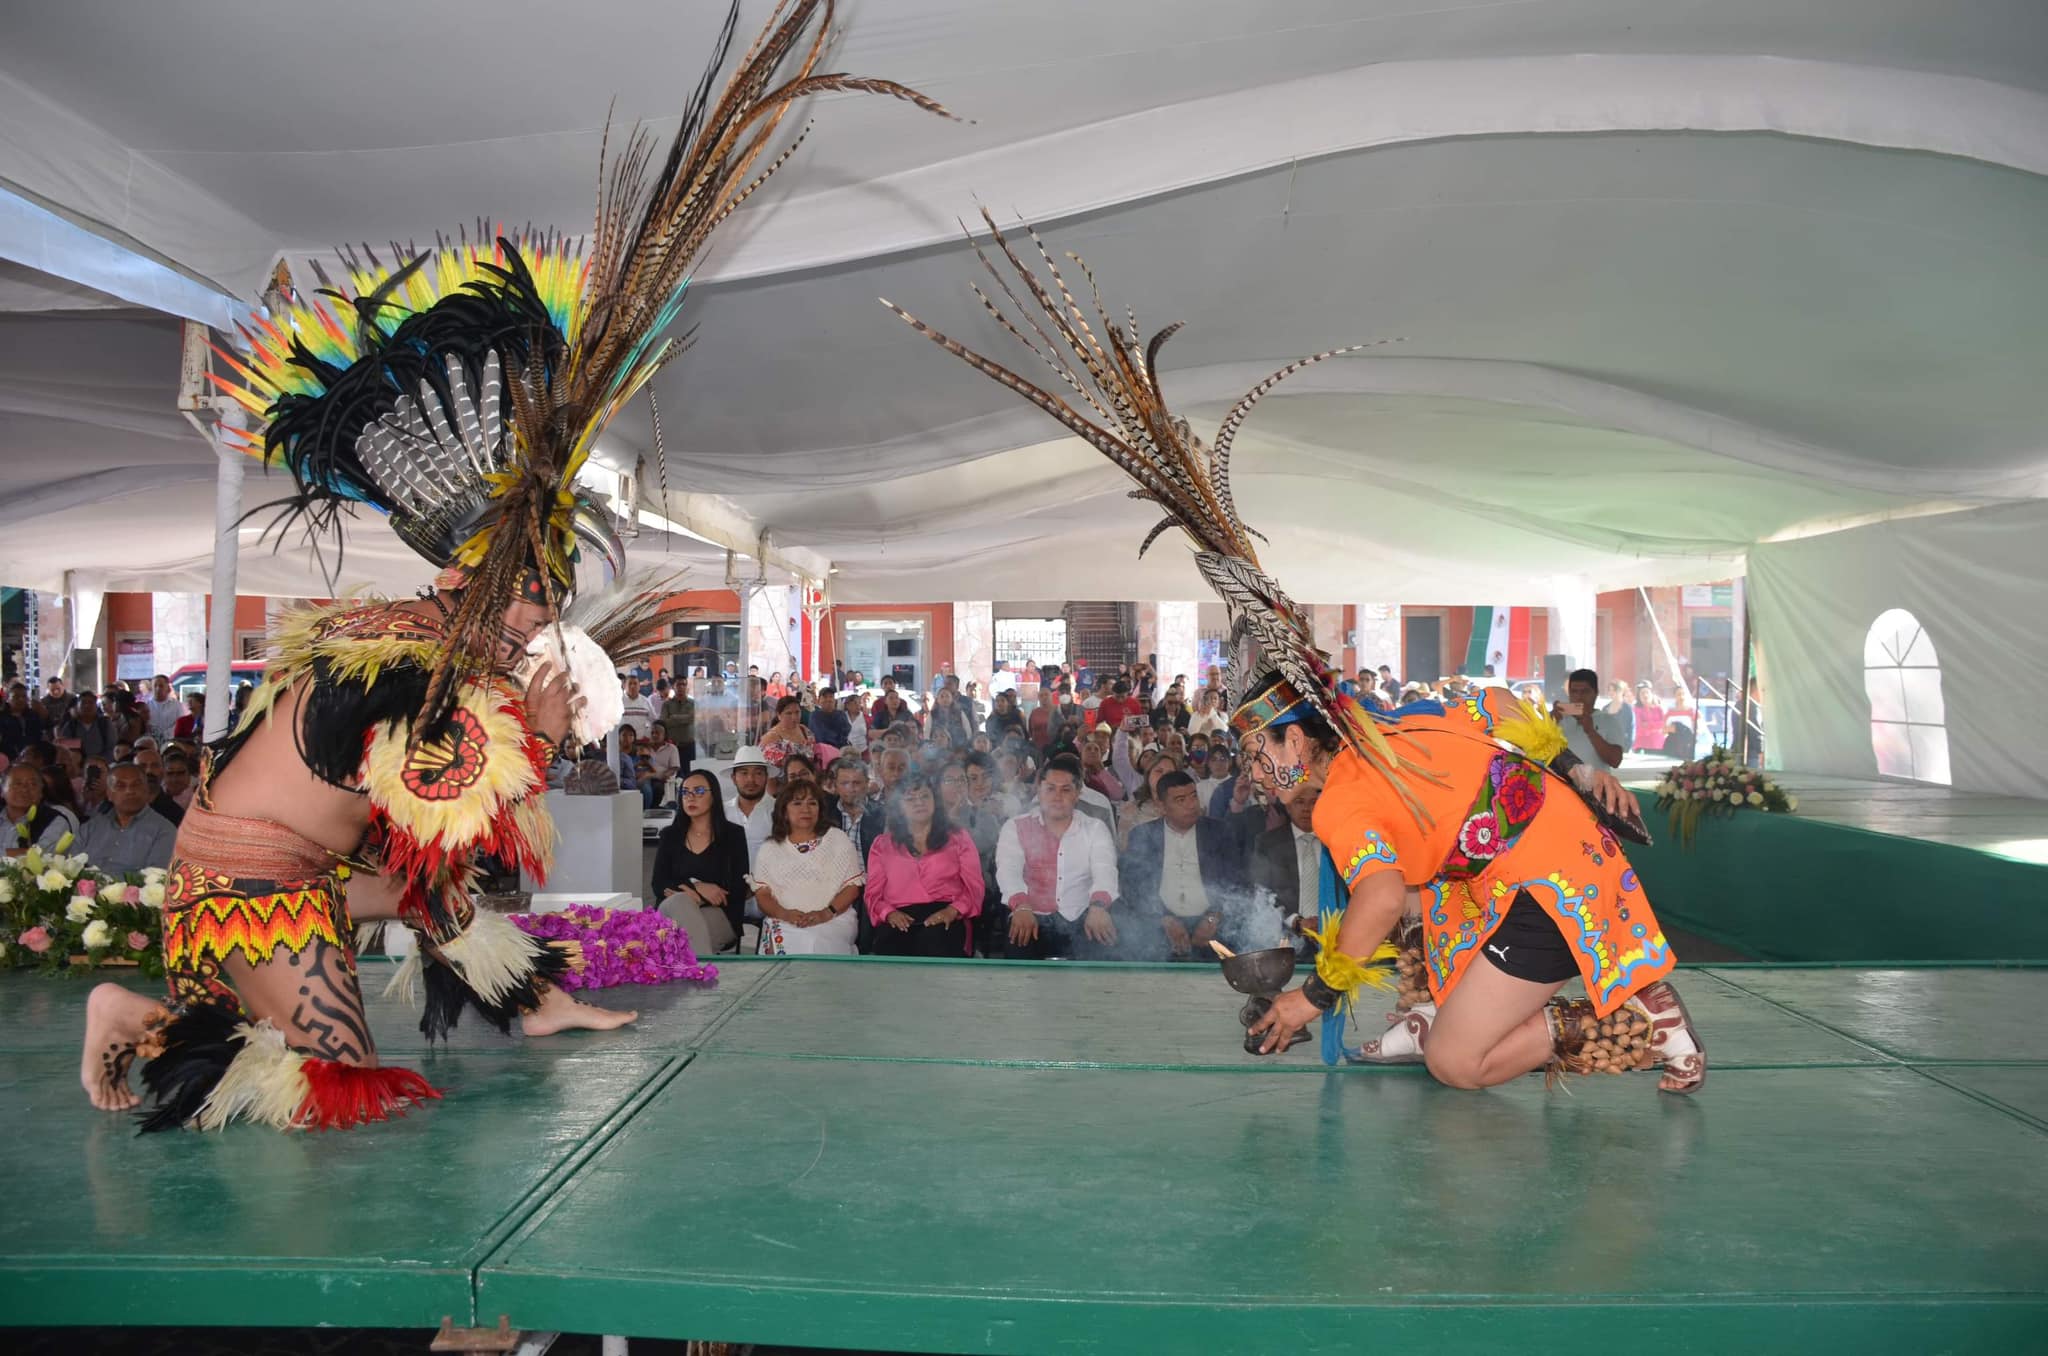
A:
(220, 635)
(1663, 641)
(196, 403)
(1739, 708)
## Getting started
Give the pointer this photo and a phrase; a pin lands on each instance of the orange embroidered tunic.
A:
(1499, 824)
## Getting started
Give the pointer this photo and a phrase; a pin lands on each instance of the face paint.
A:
(1288, 777)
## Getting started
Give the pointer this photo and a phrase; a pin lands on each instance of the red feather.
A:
(341, 1096)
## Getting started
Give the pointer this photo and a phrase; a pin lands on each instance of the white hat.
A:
(749, 756)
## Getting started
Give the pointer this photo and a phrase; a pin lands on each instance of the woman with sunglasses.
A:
(700, 865)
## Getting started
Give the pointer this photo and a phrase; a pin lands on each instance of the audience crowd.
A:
(110, 771)
(1073, 814)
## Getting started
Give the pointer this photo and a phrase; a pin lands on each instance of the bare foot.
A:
(113, 1024)
(559, 1012)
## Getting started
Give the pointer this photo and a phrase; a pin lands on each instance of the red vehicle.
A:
(192, 677)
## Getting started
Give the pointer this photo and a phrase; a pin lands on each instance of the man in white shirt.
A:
(1181, 873)
(638, 711)
(1591, 733)
(1287, 863)
(1057, 873)
(664, 763)
(751, 807)
(164, 709)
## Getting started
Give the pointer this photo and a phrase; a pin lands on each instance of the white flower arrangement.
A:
(1718, 785)
(60, 916)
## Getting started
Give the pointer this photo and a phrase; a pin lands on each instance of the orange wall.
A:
(709, 604)
(1634, 652)
(129, 612)
(724, 604)
(1624, 656)
(136, 612)
(715, 603)
(938, 628)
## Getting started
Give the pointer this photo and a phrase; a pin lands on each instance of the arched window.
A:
(1902, 678)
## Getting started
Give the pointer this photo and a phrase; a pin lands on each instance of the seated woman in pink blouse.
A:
(924, 877)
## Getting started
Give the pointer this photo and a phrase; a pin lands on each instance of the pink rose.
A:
(88, 887)
(36, 940)
(138, 941)
(131, 894)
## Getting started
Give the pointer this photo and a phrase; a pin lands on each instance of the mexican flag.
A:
(1500, 637)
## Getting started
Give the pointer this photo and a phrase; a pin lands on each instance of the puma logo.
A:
(1499, 951)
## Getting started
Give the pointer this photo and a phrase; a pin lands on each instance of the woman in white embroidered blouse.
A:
(806, 880)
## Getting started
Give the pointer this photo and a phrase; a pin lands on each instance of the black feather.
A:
(199, 1044)
(446, 992)
(336, 717)
(315, 434)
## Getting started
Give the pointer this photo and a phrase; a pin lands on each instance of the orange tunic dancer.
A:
(1521, 888)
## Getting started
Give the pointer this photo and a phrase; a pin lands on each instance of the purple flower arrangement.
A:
(622, 946)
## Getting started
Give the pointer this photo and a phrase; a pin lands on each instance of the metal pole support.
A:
(220, 631)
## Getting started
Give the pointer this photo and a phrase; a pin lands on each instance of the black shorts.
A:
(1527, 945)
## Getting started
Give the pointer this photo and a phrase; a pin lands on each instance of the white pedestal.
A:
(597, 847)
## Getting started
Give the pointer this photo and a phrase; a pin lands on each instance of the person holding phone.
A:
(1595, 736)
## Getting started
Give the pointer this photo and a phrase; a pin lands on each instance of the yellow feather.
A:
(504, 774)
(1347, 974)
(1532, 731)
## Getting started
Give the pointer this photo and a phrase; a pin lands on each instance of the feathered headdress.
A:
(461, 389)
(1115, 378)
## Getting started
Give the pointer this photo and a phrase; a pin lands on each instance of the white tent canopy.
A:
(1669, 279)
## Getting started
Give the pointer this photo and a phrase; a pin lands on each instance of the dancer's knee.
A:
(1454, 1068)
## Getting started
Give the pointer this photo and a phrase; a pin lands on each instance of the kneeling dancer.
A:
(1522, 888)
(324, 809)
(1471, 805)
(459, 390)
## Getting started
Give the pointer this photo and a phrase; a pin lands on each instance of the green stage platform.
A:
(970, 1157)
(1866, 871)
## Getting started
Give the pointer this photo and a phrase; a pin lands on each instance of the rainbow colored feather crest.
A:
(460, 390)
(320, 334)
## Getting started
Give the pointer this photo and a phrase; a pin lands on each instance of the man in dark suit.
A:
(1181, 877)
(1287, 861)
(860, 818)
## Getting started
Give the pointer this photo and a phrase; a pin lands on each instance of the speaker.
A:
(1555, 669)
(85, 671)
